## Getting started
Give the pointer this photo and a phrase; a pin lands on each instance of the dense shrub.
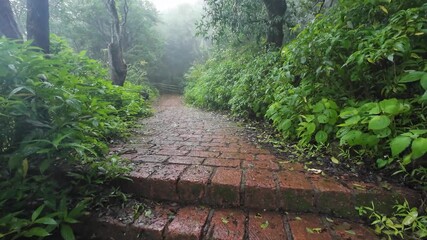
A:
(357, 75)
(57, 115)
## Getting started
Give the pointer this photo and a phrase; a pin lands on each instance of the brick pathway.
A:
(189, 156)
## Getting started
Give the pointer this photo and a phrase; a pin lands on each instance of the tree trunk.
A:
(38, 23)
(118, 67)
(8, 26)
(276, 10)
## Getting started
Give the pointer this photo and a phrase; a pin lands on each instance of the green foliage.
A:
(405, 222)
(357, 75)
(57, 115)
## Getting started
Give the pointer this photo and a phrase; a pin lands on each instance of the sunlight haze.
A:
(163, 5)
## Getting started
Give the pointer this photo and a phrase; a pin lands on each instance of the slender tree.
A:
(8, 25)
(118, 66)
(38, 23)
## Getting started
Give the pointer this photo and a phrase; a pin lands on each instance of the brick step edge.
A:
(202, 223)
(293, 191)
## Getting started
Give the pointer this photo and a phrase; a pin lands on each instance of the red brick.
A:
(265, 157)
(203, 154)
(225, 149)
(295, 192)
(352, 231)
(187, 224)
(266, 226)
(260, 189)
(221, 162)
(214, 144)
(332, 197)
(246, 148)
(227, 225)
(194, 148)
(151, 226)
(225, 187)
(301, 226)
(260, 165)
(193, 183)
(242, 156)
(186, 160)
(151, 158)
(139, 185)
(172, 152)
(163, 182)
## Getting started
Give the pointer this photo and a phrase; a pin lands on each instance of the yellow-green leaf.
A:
(384, 9)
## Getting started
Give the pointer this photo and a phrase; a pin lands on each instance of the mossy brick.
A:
(227, 224)
(333, 198)
(260, 189)
(266, 225)
(187, 224)
(163, 183)
(192, 185)
(225, 187)
(295, 192)
(151, 226)
(351, 230)
(308, 227)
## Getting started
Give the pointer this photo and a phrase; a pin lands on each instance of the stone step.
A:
(260, 189)
(196, 222)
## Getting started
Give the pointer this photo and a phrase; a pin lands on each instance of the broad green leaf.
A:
(390, 106)
(321, 136)
(46, 221)
(319, 107)
(383, 133)
(399, 144)
(411, 77)
(322, 118)
(348, 112)
(379, 122)
(423, 81)
(419, 147)
(36, 213)
(371, 140)
(311, 127)
(67, 232)
(418, 132)
(410, 218)
(36, 232)
(351, 138)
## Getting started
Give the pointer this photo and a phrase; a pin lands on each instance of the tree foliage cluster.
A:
(57, 116)
(357, 75)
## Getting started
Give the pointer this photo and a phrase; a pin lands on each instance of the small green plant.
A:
(405, 222)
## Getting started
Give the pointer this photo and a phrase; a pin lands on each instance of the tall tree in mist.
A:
(8, 25)
(38, 23)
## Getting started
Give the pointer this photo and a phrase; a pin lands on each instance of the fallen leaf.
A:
(335, 160)
(264, 225)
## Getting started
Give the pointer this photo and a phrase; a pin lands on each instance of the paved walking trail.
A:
(218, 185)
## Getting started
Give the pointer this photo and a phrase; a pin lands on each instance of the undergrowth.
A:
(356, 77)
(57, 115)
